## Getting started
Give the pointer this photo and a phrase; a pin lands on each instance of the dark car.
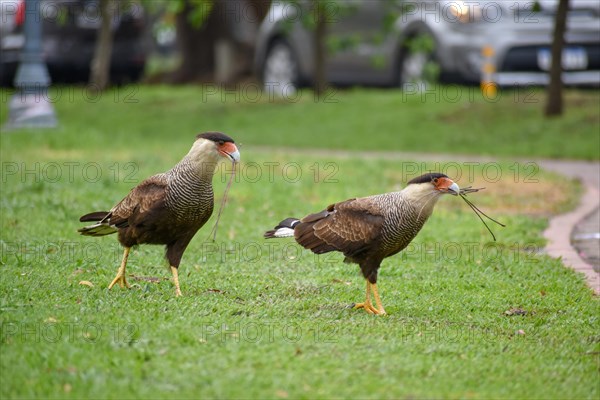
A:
(69, 31)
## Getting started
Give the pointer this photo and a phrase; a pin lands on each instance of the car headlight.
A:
(464, 11)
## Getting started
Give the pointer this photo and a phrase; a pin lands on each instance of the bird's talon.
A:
(367, 307)
(121, 280)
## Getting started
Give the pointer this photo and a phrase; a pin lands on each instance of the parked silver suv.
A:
(448, 35)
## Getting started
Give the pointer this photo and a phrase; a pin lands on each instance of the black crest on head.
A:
(427, 178)
(215, 137)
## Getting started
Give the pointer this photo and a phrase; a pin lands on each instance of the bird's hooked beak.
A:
(230, 150)
(447, 185)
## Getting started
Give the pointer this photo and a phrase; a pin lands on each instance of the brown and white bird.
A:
(167, 208)
(368, 229)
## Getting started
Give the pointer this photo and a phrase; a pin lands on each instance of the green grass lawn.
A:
(450, 120)
(263, 319)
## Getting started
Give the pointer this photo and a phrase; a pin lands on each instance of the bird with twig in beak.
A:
(369, 229)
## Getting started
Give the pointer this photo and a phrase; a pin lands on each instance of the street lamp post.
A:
(30, 107)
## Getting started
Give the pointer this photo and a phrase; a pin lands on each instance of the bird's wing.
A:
(143, 198)
(350, 227)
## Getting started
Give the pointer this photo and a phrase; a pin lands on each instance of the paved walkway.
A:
(583, 223)
(586, 238)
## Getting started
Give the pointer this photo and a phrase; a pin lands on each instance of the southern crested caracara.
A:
(368, 229)
(166, 208)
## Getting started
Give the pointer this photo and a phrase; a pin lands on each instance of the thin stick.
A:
(469, 189)
(477, 211)
(479, 216)
(213, 232)
(484, 214)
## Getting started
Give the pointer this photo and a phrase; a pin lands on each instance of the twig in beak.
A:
(469, 189)
(477, 211)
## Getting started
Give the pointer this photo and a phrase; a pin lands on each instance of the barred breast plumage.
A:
(189, 195)
(402, 222)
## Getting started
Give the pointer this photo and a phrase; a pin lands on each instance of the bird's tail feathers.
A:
(284, 229)
(103, 227)
(99, 229)
(94, 216)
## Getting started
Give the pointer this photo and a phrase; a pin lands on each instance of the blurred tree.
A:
(200, 24)
(196, 35)
(320, 23)
(100, 65)
(323, 13)
(554, 105)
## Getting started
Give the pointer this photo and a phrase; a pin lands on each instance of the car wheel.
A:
(280, 69)
(418, 68)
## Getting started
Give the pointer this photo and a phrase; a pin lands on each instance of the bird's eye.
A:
(220, 143)
(435, 181)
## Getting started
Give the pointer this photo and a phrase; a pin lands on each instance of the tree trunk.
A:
(554, 106)
(320, 82)
(100, 66)
(195, 44)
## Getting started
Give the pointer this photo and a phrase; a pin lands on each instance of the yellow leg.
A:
(367, 304)
(120, 278)
(380, 310)
(175, 273)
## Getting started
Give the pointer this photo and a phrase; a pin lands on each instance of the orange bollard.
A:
(488, 87)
